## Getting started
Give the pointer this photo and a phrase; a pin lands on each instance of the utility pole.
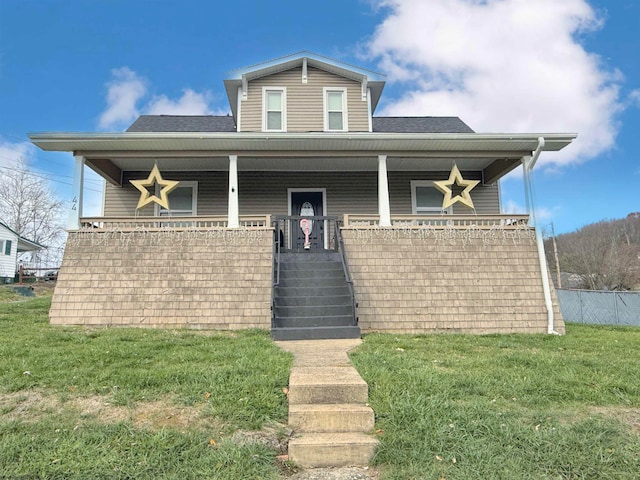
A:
(555, 255)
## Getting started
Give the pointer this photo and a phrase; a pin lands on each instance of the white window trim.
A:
(283, 90)
(425, 210)
(178, 213)
(325, 108)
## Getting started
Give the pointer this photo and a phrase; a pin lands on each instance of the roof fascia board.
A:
(66, 140)
(22, 240)
(291, 61)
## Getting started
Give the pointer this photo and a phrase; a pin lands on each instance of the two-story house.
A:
(305, 213)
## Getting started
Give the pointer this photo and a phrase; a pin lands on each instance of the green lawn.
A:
(506, 406)
(134, 403)
(138, 403)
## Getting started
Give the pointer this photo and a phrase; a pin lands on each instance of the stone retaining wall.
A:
(420, 280)
(218, 279)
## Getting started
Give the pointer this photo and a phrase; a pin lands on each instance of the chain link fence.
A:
(605, 308)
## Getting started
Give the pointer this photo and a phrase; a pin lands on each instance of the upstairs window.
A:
(335, 109)
(274, 117)
(426, 199)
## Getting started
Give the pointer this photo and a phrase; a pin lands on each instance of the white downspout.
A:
(529, 163)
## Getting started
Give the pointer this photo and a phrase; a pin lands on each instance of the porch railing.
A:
(131, 224)
(440, 221)
(325, 226)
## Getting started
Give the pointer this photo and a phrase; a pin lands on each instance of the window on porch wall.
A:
(182, 201)
(426, 199)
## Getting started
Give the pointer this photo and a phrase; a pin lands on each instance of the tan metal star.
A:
(445, 187)
(154, 179)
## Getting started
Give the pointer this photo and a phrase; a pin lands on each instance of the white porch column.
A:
(384, 210)
(233, 220)
(75, 212)
(527, 185)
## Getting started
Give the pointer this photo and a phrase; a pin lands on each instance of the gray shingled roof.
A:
(420, 125)
(213, 123)
(183, 123)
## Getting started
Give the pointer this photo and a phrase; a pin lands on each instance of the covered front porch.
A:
(212, 262)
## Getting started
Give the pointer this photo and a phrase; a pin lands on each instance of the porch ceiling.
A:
(287, 163)
(111, 153)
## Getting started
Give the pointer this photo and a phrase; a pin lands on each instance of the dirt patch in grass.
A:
(630, 416)
(27, 405)
(32, 405)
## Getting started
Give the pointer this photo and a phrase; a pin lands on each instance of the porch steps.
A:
(313, 299)
(328, 414)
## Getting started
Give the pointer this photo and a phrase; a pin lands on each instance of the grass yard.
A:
(136, 403)
(506, 407)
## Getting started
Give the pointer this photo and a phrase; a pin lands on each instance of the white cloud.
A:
(511, 206)
(543, 214)
(191, 103)
(125, 90)
(12, 152)
(502, 66)
(127, 97)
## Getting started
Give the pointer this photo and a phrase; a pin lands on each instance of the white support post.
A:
(75, 212)
(233, 220)
(384, 210)
(527, 185)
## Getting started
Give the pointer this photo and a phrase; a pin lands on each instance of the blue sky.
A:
(502, 66)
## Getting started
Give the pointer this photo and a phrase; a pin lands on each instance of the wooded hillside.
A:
(600, 256)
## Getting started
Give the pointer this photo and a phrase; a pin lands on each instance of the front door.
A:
(307, 234)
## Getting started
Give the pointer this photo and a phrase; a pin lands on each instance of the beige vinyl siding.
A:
(304, 101)
(212, 193)
(262, 193)
(485, 198)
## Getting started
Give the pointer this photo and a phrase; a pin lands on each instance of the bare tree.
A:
(31, 208)
(606, 255)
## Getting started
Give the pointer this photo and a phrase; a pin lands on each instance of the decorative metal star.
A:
(445, 187)
(154, 179)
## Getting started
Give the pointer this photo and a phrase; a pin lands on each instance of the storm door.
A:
(306, 230)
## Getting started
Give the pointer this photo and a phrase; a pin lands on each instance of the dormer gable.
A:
(303, 92)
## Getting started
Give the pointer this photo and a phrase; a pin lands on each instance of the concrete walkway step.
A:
(314, 450)
(341, 417)
(326, 385)
(327, 406)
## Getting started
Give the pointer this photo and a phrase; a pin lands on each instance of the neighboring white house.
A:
(11, 244)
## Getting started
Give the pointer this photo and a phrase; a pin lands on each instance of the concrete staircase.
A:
(328, 409)
(313, 299)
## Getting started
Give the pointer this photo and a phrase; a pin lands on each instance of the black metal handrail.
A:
(276, 267)
(291, 222)
(339, 242)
